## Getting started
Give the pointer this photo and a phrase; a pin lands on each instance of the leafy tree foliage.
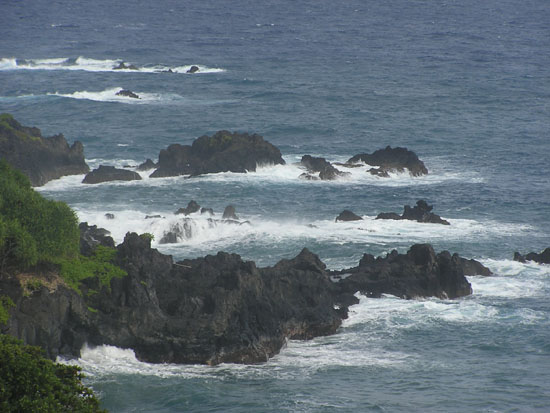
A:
(32, 228)
(31, 383)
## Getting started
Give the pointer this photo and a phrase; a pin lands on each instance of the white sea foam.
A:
(204, 231)
(110, 95)
(512, 280)
(95, 65)
(106, 360)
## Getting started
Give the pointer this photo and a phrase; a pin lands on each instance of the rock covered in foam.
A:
(421, 212)
(391, 160)
(542, 257)
(106, 173)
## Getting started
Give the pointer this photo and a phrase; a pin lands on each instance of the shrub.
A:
(100, 265)
(31, 383)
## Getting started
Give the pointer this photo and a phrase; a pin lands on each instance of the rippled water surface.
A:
(464, 84)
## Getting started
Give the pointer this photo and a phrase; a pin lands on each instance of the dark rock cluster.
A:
(542, 257)
(127, 93)
(421, 212)
(222, 152)
(218, 308)
(418, 273)
(41, 159)
(391, 160)
(326, 171)
(106, 173)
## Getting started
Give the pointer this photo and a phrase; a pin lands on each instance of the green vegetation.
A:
(5, 304)
(8, 125)
(36, 230)
(99, 265)
(31, 383)
(32, 228)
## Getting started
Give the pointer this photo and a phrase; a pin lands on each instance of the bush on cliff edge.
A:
(31, 383)
(32, 228)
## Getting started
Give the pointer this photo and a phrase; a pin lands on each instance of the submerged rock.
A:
(109, 173)
(124, 66)
(327, 172)
(421, 212)
(541, 258)
(391, 160)
(41, 159)
(347, 215)
(127, 93)
(230, 213)
(191, 208)
(223, 152)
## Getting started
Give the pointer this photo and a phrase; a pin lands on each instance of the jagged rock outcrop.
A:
(391, 160)
(217, 308)
(230, 213)
(191, 208)
(326, 171)
(91, 236)
(109, 173)
(222, 152)
(41, 159)
(127, 93)
(347, 215)
(147, 165)
(541, 258)
(421, 212)
(418, 273)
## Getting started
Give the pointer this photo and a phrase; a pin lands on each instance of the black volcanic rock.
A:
(124, 66)
(327, 172)
(391, 160)
(91, 236)
(223, 152)
(109, 173)
(347, 215)
(41, 159)
(193, 69)
(230, 213)
(541, 258)
(191, 208)
(421, 212)
(127, 93)
(418, 273)
(217, 308)
(145, 166)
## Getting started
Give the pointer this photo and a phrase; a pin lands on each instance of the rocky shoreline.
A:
(219, 308)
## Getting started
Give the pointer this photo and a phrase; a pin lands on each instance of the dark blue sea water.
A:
(464, 84)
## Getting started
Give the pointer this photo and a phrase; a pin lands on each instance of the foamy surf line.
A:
(111, 95)
(202, 230)
(98, 65)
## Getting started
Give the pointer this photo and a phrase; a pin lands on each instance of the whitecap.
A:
(95, 65)
(110, 95)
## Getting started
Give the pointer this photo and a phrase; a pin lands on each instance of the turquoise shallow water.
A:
(464, 85)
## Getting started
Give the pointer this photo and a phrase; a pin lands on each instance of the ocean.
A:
(463, 84)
